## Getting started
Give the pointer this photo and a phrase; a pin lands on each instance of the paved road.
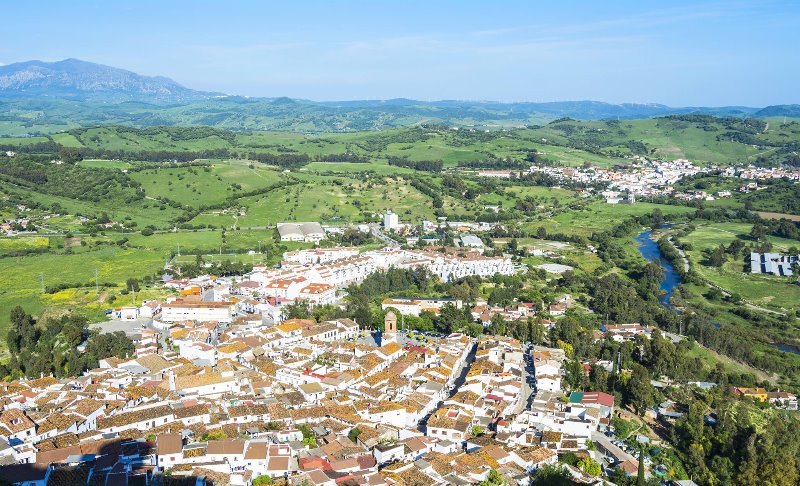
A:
(460, 379)
(377, 233)
(526, 393)
(607, 447)
(462, 372)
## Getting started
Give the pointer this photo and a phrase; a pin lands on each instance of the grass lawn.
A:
(144, 212)
(541, 193)
(327, 199)
(204, 240)
(195, 186)
(105, 164)
(8, 245)
(710, 359)
(22, 275)
(764, 290)
(599, 216)
(378, 167)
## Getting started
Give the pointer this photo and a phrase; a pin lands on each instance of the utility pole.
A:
(96, 283)
(42, 277)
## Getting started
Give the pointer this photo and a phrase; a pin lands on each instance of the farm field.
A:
(765, 290)
(196, 186)
(22, 275)
(599, 215)
(9, 245)
(106, 164)
(143, 212)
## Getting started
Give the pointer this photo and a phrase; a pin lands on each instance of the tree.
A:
(132, 284)
(498, 325)
(353, 434)
(461, 291)
(537, 332)
(451, 319)
(574, 378)
(736, 247)
(69, 155)
(363, 316)
(640, 472)
(714, 294)
(299, 310)
(657, 218)
(512, 245)
(759, 231)
(639, 392)
(541, 233)
(717, 256)
(590, 466)
(568, 349)
(552, 475)
(652, 275)
(598, 379)
(309, 437)
(492, 479)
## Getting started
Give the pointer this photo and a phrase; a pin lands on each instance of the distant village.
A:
(651, 178)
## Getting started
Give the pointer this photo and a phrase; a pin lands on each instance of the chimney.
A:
(171, 381)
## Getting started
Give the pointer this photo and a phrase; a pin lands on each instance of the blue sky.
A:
(677, 53)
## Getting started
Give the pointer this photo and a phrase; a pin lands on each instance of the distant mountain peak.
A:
(87, 81)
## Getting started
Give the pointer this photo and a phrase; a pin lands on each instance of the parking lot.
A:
(128, 327)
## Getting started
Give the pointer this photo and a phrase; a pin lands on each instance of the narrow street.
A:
(377, 233)
(460, 379)
(462, 373)
(526, 392)
(608, 448)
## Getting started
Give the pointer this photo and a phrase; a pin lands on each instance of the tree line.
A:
(50, 346)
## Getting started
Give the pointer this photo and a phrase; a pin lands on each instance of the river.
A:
(650, 251)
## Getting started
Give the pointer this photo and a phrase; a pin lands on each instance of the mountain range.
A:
(42, 97)
(87, 81)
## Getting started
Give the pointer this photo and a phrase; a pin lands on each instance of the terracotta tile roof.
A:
(43, 382)
(551, 436)
(15, 421)
(153, 362)
(535, 454)
(256, 450)
(135, 416)
(169, 444)
(192, 410)
(227, 446)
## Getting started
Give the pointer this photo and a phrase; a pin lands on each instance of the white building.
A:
(197, 311)
(390, 220)
(319, 255)
(306, 232)
(318, 294)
